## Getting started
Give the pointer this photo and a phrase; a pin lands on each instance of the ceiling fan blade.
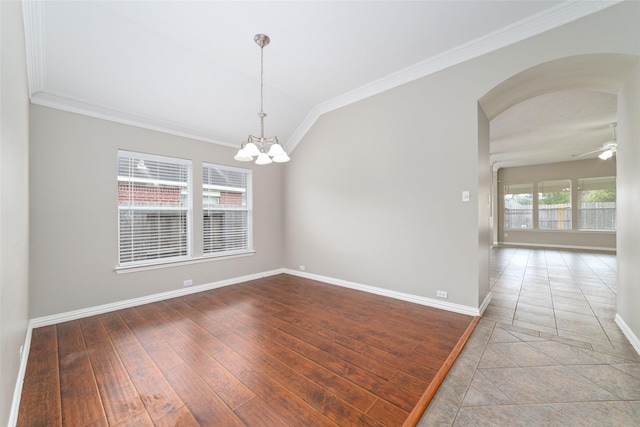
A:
(590, 152)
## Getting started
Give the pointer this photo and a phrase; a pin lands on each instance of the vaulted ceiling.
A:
(192, 68)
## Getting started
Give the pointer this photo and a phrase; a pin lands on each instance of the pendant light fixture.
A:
(266, 150)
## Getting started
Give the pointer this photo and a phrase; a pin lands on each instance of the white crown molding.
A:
(546, 20)
(448, 306)
(61, 102)
(32, 15)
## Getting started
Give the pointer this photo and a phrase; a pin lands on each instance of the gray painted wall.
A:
(591, 168)
(14, 199)
(373, 195)
(628, 191)
(73, 193)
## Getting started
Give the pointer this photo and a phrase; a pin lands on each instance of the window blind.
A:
(226, 208)
(154, 208)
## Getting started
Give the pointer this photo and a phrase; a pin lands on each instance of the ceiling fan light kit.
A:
(266, 150)
(607, 150)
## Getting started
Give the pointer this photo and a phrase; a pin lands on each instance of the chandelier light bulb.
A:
(242, 156)
(263, 159)
(281, 158)
(251, 149)
(276, 150)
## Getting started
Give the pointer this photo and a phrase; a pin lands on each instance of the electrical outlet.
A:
(302, 268)
(442, 294)
(188, 282)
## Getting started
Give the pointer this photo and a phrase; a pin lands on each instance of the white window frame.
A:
(210, 189)
(563, 214)
(187, 206)
(507, 189)
(591, 184)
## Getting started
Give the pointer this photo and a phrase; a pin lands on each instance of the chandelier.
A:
(266, 150)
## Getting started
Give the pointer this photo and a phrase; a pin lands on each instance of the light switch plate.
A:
(465, 196)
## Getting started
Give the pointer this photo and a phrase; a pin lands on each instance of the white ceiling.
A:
(192, 67)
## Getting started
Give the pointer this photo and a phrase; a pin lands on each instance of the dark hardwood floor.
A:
(278, 351)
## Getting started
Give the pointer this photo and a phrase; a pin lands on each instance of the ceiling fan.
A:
(607, 150)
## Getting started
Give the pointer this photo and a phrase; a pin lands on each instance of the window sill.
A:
(538, 230)
(179, 263)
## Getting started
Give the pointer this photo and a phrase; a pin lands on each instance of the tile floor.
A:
(547, 351)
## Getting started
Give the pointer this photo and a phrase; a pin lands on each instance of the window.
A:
(226, 210)
(554, 205)
(518, 206)
(597, 209)
(154, 208)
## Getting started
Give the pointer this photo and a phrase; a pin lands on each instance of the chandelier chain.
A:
(262, 114)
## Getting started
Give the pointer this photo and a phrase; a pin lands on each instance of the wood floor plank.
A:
(410, 323)
(402, 398)
(383, 338)
(205, 405)
(260, 339)
(258, 413)
(419, 365)
(267, 327)
(288, 404)
(141, 419)
(155, 392)
(229, 388)
(410, 383)
(177, 417)
(152, 338)
(119, 395)
(356, 358)
(80, 398)
(354, 339)
(320, 398)
(40, 404)
(387, 414)
(277, 351)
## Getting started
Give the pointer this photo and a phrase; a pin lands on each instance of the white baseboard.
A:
(544, 245)
(485, 304)
(17, 391)
(626, 330)
(92, 311)
(457, 308)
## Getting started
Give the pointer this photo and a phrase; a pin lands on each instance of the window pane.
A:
(597, 209)
(226, 204)
(554, 205)
(154, 207)
(518, 206)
